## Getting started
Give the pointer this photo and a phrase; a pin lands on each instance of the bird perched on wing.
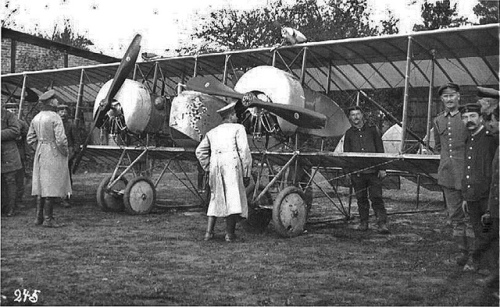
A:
(149, 56)
(292, 36)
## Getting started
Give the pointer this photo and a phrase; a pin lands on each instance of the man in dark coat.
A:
(23, 152)
(450, 135)
(11, 161)
(73, 138)
(362, 137)
(480, 148)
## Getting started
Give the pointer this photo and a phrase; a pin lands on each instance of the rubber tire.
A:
(110, 203)
(294, 225)
(130, 196)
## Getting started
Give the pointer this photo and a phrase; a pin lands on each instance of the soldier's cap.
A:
(352, 109)
(470, 107)
(487, 92)
(62, 107)
(11, 105)
(47, 95)
(448, 85)
(227, 109)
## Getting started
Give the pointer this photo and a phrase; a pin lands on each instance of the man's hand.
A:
(382, 174)
(486, 219)
(464, 207)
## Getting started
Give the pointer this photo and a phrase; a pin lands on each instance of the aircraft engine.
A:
(192, 115)
(133, 105)
(279, 87)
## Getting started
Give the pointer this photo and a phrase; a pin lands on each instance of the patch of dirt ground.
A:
(105, 258)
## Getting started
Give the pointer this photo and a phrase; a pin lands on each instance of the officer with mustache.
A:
(480, 147)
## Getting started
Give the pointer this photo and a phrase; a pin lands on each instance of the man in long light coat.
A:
(225, 153)
(51, 179)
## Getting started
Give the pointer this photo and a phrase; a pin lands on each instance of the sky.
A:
(112, 24)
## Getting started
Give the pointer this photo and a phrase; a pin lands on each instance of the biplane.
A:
(283, 99)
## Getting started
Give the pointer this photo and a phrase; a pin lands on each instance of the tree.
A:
(487, 11)
(8, 13)
(439, 16)
(229, 29)
(68, 36)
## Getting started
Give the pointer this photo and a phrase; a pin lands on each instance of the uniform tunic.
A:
(364, 139)
(11, 131)
(450, 134)
(50, 163)
(479, 152)
(224, 152)
(493, 202)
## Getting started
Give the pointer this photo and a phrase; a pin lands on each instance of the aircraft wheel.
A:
(139, 196)
(110, 199)
(289, 212)
(258, 217)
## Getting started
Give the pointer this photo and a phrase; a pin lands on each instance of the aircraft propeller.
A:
(126, 65)
(298, 116)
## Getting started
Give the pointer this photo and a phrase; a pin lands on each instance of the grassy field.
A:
(102, 258)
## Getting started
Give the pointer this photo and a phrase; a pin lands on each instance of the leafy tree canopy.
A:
(487, 11)
(439, 16)
(229, 29)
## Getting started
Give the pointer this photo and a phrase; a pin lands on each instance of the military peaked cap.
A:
(448, 85)
(487, 92)
(471, 107)
(227, 109)
(11, 105)
(353, 108)
(62, 107)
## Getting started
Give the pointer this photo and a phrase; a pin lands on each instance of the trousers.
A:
(369, 186)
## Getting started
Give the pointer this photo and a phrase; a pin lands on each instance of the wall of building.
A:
(25, 50)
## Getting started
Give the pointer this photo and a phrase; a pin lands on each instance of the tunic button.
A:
(467, 176)
(470, 157)
(468, 167)
(468, 186)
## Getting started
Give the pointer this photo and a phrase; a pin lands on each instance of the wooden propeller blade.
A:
(126, 65)
(124, 69)
(298, 116)
(212, 87)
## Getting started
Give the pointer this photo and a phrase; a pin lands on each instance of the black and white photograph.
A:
(250, 153)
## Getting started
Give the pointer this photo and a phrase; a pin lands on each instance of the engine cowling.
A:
(134, 103)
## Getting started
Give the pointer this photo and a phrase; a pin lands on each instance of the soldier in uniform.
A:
(225, 153)
(50, 165)
(480, 147)
(11, 161)
(491, 218)
(450, 134)
(73, 138)
(21, 146)
(362, 137)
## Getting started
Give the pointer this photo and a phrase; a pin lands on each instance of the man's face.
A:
(63, 113)
(450, 98)
(492, 124)
(356, 117)
(472, 120)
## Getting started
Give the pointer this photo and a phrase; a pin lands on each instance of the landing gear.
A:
(290, 212)
(139, 196)
(259, 214)
(111, 199)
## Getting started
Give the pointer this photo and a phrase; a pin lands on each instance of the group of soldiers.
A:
(467, 139)
(23, 155)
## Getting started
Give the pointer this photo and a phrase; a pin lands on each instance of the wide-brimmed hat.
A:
(486, 92)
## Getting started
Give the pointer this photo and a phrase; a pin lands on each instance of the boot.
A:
(462, 244)
(472, 263)
(39, 210)
(231, 227)
(209, 234)
(363, 226)
(49, 213)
